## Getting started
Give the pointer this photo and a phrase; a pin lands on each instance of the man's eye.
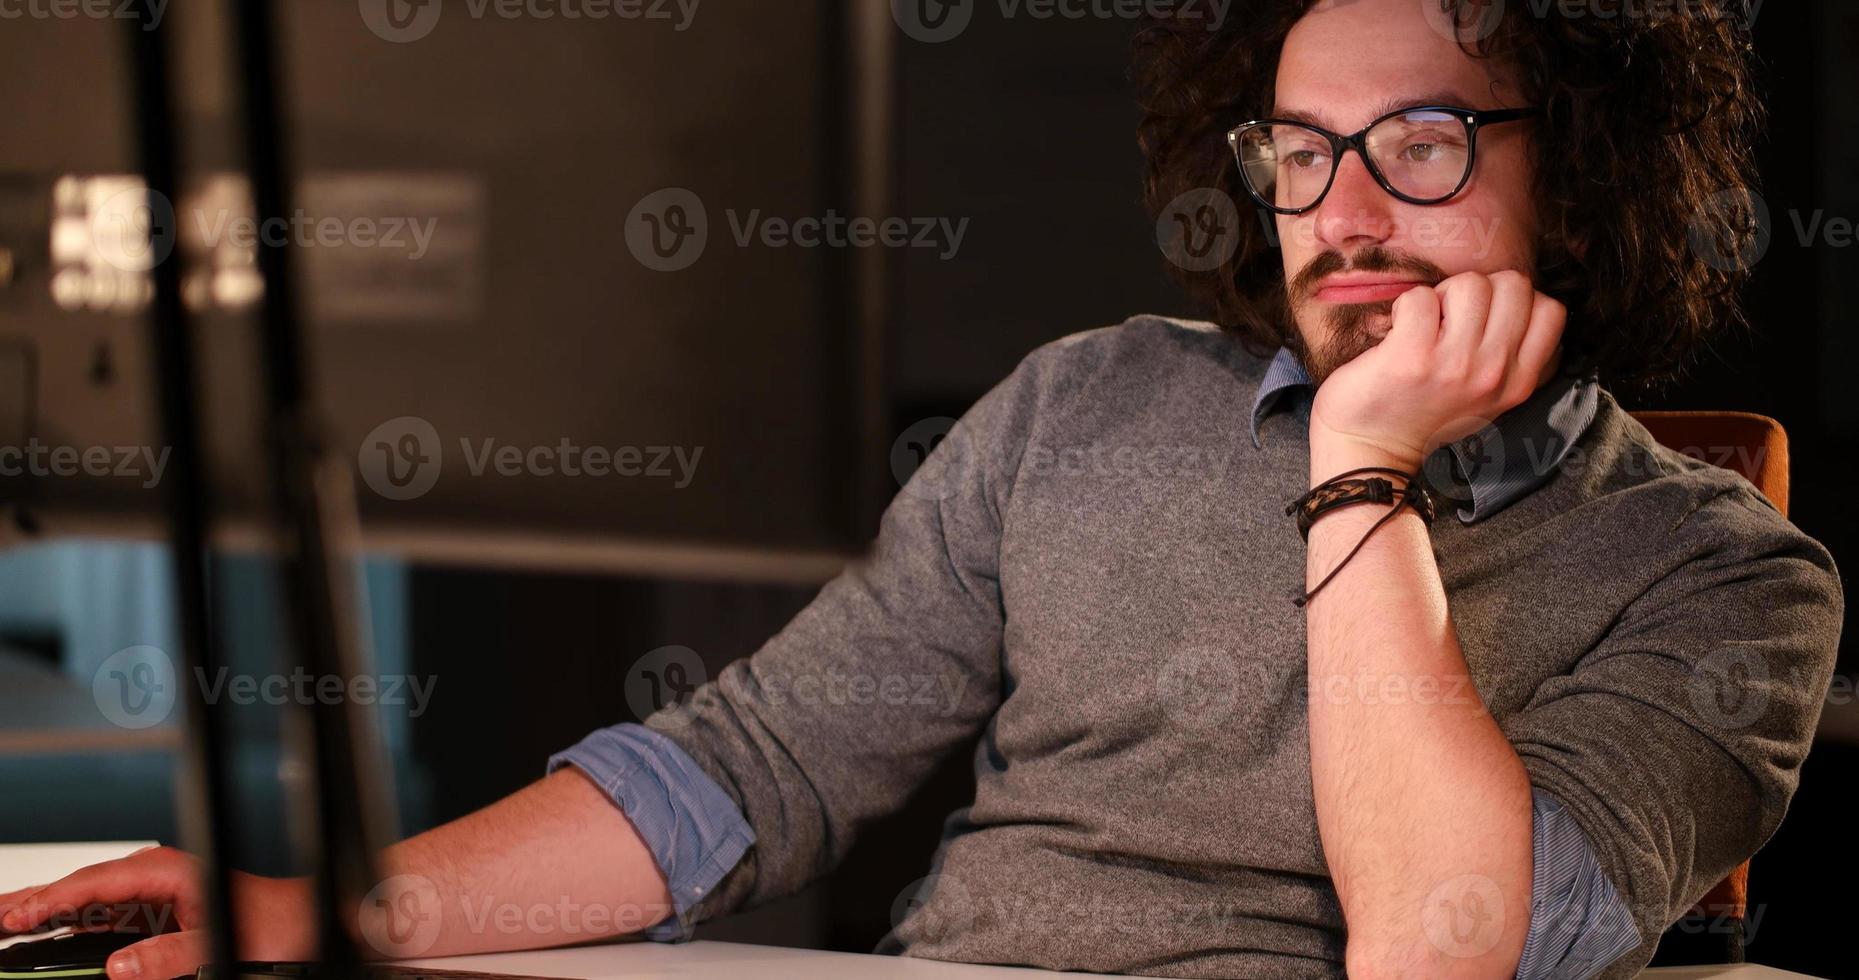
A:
(1303, 159)
(1420, 148)
(1420, 152)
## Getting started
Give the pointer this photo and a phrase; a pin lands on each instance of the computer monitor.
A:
(570, 285)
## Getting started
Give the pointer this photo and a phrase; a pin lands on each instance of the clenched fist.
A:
(1456, 356)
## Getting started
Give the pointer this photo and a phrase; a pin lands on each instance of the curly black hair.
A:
(1644, 170)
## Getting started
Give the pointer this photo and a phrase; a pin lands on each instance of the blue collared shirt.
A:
(1578, 923)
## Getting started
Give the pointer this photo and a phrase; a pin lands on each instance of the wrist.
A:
(1331, 456)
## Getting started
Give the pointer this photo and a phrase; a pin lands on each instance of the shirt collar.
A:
(1490, 469)
(1285, 372)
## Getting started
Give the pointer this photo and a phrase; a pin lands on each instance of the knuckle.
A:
(180, 951)
(1485, 381)
(1509, 279)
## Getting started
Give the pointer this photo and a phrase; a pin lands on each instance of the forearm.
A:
(1422, 805)
(553, 864)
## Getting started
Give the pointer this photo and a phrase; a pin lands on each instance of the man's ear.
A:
(1577, 246)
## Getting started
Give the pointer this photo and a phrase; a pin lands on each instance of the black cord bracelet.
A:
(1346, 490)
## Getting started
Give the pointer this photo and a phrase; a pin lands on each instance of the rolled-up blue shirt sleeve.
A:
(1578, 923)
(694, 830)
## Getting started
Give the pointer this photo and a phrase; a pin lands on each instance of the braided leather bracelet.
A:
(1345, 490)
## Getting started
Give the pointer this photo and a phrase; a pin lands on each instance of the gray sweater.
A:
(1093, 573)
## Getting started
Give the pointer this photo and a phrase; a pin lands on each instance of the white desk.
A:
(731, 961)
(28, 864)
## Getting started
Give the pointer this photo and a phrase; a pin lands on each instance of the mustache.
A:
(1371, 259)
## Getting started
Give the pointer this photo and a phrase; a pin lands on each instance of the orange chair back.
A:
(1756, 447)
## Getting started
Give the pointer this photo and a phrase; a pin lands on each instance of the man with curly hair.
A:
(1505, 705)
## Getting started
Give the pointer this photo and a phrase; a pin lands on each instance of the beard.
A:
(1345, 330)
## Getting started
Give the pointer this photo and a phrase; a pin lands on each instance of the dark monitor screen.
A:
(568, 282)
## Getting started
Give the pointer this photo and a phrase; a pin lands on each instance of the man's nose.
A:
(1356, 212)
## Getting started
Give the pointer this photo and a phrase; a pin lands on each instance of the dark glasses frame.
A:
(1474, 120)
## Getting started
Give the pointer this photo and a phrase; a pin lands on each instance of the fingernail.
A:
(125, 966)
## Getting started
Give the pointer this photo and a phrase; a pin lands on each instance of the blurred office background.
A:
(1021, 127)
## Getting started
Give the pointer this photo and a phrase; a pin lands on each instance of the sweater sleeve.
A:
(1676, 741)
(894, 665)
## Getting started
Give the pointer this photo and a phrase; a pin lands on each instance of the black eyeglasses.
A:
(1422, 155)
